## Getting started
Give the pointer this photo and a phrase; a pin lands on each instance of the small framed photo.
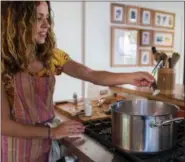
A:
(145, 57)
(164, 19)
(146, 17)
(163, 39)
(132, 15)
(145, 38)
(117, 13)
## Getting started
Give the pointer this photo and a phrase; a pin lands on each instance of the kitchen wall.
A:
(68, 30)
(92, 45)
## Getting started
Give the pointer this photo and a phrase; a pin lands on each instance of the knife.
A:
(62, 102)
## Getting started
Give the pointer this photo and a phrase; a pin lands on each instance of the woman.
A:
(29, 63)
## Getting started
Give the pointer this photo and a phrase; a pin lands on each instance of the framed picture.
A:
(145, 38)
(117, 13)
(146, 17)
(163, 39)
(132, 15)
(124, 47)
(164, 19)
(145, 57)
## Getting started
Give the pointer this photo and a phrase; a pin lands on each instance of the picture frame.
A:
(164, 19)
(163, 39)
(118, 13)
(146, 17)
(145, 57)
(132, 15)
(146, 37)
(122, 37)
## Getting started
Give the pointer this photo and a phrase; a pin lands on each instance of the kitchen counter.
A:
(88, 149)
(177, 98)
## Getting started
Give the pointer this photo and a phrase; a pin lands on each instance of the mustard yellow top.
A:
(58, 60)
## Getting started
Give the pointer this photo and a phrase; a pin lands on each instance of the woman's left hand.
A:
(141, 79)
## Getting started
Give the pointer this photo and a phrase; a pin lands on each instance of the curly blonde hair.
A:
(18, 19)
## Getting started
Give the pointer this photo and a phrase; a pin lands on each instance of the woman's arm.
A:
(106, 78)
(12, 128)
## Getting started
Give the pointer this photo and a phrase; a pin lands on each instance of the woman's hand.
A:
(68, 128)
(141, 79)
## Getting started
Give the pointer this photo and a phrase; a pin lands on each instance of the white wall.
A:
(98, 34)
(68, 27)
(67, 18)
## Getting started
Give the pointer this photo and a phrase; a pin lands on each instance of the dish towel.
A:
(57, 151)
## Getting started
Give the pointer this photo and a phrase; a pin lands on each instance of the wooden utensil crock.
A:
(166, 81)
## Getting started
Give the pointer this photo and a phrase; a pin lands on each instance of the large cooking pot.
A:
(144, 126)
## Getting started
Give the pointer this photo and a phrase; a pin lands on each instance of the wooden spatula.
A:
(175, 58)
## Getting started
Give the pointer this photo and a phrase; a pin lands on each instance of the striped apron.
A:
(32, 104)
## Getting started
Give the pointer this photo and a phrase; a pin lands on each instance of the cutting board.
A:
(69, 109)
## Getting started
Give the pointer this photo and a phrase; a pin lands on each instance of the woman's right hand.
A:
(68, 128)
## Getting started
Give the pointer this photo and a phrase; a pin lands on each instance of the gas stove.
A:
(100, 130)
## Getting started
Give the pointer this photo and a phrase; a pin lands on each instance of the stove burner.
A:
(100, 130)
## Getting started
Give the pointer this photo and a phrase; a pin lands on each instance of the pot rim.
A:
(111, 105)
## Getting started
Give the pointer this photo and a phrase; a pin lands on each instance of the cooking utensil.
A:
(170, 62)
(154, 86)
(157, 66)
(144, 126)
(164, 57)
(156, 54)
(175, 58)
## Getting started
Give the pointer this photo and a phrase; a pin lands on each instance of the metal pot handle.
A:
(155, 124)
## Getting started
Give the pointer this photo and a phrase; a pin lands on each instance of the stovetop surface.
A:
(100, 130)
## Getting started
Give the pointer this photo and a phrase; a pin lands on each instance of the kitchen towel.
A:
(55, 151)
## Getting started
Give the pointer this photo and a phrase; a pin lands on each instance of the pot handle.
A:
(155, 124)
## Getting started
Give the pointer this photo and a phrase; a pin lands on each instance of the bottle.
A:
(75, 99)
(88, 107)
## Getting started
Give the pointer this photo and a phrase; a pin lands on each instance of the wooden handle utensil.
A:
(175, 58)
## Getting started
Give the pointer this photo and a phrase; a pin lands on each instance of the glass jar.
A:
(88, 107)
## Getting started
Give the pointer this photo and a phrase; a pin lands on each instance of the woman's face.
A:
(42, 25)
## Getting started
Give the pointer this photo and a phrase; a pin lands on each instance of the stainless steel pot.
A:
(143, 126)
